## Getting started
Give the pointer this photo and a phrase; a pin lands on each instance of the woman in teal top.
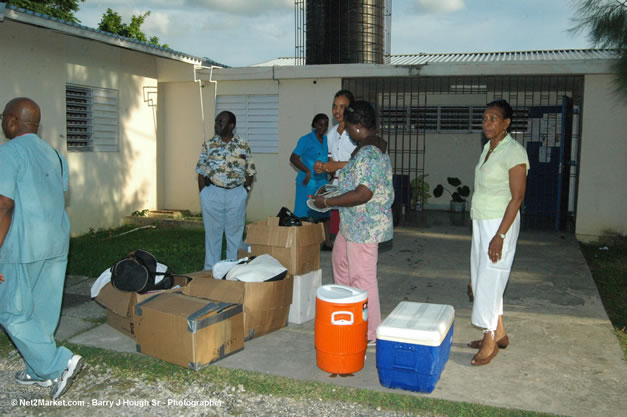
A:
(310, 148)
(500, 181)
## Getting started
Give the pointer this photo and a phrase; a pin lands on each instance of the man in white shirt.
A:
(340, 147)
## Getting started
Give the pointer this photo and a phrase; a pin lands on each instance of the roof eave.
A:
(569, 67)
(91, 34)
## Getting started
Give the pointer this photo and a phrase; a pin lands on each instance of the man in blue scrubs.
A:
(34, 243)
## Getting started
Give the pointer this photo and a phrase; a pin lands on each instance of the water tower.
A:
(343, 31)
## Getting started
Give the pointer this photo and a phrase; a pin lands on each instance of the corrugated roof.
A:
(75, 29)
(480, 57)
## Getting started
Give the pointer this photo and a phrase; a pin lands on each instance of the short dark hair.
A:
(231, 117)
(318, 117)
(345, 93)
(506, 110)
(361, 112)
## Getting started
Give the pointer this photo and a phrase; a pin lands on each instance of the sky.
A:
(246, 32)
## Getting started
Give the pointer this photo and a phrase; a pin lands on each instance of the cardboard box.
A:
(303, 307)
(188, 331)
(121, 305)
(266, 304)
(121, 324)
(297, 248)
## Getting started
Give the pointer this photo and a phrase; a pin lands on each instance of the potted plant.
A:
(458, 197)
(419, 192)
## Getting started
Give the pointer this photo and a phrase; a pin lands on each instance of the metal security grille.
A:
(402, 124)
(546, 122)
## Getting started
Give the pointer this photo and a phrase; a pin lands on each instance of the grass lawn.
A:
(182, 250)
(609, 269)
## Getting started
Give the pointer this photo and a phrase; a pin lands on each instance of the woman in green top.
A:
(500, 180)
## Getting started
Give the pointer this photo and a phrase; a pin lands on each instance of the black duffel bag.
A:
(138, 272)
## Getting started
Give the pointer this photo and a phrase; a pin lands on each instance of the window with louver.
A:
(257, 119)
(92, 119)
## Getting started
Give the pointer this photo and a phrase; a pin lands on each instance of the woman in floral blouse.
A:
(365, 209)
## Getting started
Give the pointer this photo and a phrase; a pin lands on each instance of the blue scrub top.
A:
(311, 150)
(35, 177)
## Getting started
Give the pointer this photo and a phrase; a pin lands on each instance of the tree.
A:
(606, 22)
(112, 22)
(62, 9)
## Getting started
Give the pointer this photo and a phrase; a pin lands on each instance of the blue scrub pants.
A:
(30, 308)
(223, 212)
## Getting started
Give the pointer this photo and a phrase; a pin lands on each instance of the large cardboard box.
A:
(303, 307)
(188, 331)
(266, 304)
(121, 305)
(297, 247)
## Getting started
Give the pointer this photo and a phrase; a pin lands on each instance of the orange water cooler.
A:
(341, 328)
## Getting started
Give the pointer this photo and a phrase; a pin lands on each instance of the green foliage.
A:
(420, 190)
(140, 213)
(608, 264)
(62, 9)
(460, 193)
(606, 22)
(112, 22)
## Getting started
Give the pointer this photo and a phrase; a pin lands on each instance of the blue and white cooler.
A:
(413, 345)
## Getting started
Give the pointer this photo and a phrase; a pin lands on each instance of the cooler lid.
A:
(417, 323)
(341, 294)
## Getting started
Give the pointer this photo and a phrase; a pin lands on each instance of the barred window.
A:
(444, 119)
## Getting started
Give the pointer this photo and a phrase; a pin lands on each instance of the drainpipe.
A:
(215, 93)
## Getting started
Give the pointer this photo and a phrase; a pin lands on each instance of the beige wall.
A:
(602, 195)
(299, 102)
(181, 133)
(104, 186)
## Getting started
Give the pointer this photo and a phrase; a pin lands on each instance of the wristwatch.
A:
(501, 235)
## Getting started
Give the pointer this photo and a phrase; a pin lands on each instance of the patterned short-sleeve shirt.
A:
(226, 164)
(370, 222)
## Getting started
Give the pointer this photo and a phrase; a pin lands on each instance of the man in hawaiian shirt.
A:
(225, 173)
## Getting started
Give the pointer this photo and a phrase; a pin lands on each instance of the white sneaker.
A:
(61, 384)
(23, 378)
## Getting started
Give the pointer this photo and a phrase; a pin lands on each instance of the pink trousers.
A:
(355, 265)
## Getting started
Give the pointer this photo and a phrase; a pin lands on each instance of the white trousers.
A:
(490, 279)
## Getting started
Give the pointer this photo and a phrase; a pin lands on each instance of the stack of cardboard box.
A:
(298, 249)
(203, 319)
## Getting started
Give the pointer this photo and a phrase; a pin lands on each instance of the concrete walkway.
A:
(563, 358)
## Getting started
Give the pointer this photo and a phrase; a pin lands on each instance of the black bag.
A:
(287, 218)
(137, 273)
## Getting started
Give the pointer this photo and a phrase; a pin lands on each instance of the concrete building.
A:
(162, 104)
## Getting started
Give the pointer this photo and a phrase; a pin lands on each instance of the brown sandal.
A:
(502, 343)
(487, 360)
